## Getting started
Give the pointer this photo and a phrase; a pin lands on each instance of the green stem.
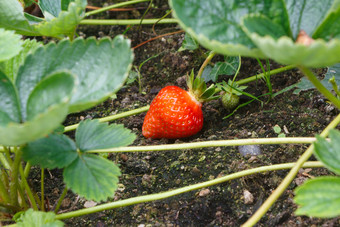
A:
(322, 89)
(4, 161)
(212, 143)
(163, 195)
(118, 5)
(27, 169)
(8, 156)
(60, 200)
(3, 190)
(42, 189)
(205, 63)
(289, 178)
(113, 117)
(238, 69)
(15, 178)
(128, 21)
(262, 75)
(28, 189)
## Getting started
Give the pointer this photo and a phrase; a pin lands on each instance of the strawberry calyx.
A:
(199, 90)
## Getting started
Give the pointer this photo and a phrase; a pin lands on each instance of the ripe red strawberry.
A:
(176, 113)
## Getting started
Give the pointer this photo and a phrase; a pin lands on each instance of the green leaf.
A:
(329, 152)
(319, 197)
(330, 27)
(92, 177)
(46, 110)
(51, 7)
(92, 134)
(65, 23)
(12, 18)
(41, 125)
(50, 91)
(53, 151)
(228, 67)
(216, 24)
(11, 66)
(305, 84)
(9, 104)
(189, 43)
(263, 26)
(10, 44)
(306, 14)
(285, 51)
(101, 68)
(33, 218)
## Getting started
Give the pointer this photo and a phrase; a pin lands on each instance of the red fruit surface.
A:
(174, 113)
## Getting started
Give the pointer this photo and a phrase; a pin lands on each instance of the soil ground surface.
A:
(227, 204)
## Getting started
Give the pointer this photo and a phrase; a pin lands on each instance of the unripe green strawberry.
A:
(176, 113)
(230, 101)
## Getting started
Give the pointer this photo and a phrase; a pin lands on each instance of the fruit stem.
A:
(167, 194)
(205, 63)
(237, 71)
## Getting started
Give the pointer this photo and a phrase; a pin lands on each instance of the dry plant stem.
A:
(128, 21)
(114, 6)
(212, 143)
(163, 195)
(289, 178)
(28, 189)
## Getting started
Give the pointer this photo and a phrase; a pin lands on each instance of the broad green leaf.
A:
(216, 24)
(51, 90)
(228, 67)
(11, 66)
(51, 7)
(319, 197)
(92, 177)
(330, 27)
(12, 18)
(9, 104)
(65, 23)
(10, 44)
(53, 151)
(305, 84)
(33, 218)
(285, 51)
(92, 134)
(263, 26)
(46, 109)
(329, 152)
(41, 125)
(65, 4)
(306, 14)
(100, 66)
(189, 43)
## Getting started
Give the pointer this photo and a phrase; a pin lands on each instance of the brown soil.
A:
(146, 173)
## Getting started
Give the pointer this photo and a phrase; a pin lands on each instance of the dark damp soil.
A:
(146, 173)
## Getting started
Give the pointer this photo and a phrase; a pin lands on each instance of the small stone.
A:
(248, 197)
(89, 204)
(204, 192)
(253, 150)
(124, 157)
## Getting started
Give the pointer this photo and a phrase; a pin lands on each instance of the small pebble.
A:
(248, 197)
(204, 192)
(249, 150)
